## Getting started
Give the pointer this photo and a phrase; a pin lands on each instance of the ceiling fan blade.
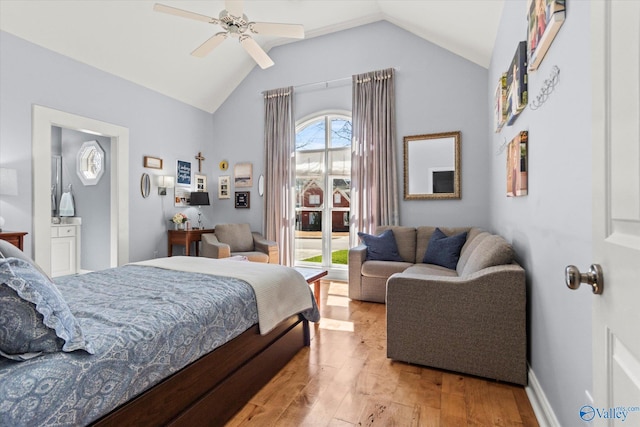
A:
(295, 31)
(234, 7)
(205, 48)
(183, 13)
(256, 52)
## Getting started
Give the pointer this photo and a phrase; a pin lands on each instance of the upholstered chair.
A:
(230, 240)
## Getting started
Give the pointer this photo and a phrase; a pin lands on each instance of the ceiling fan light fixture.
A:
(236, 24)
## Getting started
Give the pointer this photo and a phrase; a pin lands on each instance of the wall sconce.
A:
(164, 182)
(8, 185)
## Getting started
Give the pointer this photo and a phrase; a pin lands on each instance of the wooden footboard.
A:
(212, 389)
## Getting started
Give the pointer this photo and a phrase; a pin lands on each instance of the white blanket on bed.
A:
(280, 291)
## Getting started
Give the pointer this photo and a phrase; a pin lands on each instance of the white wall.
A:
(551, 227)
(436, 91)
(158, 126)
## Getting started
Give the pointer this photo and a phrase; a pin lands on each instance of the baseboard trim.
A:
(539, 402)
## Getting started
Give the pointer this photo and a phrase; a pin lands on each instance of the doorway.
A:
(43, 120)
(323, 191)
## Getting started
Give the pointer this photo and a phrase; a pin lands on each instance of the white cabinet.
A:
(65, 249)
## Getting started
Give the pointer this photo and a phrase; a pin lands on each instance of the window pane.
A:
(340, 162)
(309, 193)
(312, 136)
(309, 163)
(340, 133)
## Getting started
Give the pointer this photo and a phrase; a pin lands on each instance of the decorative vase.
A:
(180, 226)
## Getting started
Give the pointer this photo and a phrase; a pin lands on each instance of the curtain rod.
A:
(324, 84)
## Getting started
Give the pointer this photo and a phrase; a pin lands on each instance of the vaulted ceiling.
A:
(130, 40)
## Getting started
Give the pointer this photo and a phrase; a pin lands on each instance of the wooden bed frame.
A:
(209, 391)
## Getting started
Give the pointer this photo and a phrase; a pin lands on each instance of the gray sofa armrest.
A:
(269, 247)
(357, 256)
(212, 248)
(474, 324)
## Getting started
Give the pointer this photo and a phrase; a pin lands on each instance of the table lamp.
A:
(199, 198)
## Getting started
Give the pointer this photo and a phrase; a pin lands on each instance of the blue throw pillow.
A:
(382, 247)
(34, 318)
(444, 250)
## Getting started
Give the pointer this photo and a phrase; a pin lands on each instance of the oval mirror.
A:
(261, 185)
(432, 166)
(145, 185)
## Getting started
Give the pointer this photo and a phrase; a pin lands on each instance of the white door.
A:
(616, 209)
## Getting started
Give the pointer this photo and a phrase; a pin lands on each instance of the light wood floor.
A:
(345, 379)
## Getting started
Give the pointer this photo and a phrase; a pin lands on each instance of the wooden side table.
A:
(313, 276)
(14, 237)
(185, 238)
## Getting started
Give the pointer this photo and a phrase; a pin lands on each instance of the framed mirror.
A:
(432, 166)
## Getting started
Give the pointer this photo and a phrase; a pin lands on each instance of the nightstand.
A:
(14, 237)
(185, 238)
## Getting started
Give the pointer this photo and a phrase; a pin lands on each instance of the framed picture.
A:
(183, 173)
(242, 199)
(243, 175)
(182, 193)
(152, 162)
(201, 182)
(545, 17)
(517, 184)
(223, 187)
(517, 93)
(500, 110)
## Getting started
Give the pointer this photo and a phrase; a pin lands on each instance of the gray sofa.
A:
(470, 320)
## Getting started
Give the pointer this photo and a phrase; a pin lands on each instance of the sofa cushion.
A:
(492, 250)
(444, 250)
(382, 247)
(405, 239)
(430, 270)
(383, 268)
(474, 238)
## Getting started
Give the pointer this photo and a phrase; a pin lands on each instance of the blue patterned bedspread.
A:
(145, 323)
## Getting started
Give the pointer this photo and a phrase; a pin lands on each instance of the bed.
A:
(172, 341)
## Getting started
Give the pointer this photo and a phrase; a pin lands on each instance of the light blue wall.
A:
(436, 91)
(551, 227)
(158, 126)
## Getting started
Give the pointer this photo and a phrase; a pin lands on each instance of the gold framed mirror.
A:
(432, 166)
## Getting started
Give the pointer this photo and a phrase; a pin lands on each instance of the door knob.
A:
(593, 277)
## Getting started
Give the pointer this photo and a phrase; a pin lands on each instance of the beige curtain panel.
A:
(374, 179)
(279, 139)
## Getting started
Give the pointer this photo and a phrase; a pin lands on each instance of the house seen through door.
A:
(322, 191)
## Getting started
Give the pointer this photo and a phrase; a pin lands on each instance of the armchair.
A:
(238, 240)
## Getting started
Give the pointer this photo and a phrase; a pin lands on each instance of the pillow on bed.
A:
(7, 250)
(34, 318)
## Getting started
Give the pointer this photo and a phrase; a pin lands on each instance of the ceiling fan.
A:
(236, 24)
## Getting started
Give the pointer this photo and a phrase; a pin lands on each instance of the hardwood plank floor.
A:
(345, 379)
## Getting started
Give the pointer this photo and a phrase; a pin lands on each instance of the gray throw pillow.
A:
(34, 318)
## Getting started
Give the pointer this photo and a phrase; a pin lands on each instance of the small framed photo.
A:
(242, 199)
(243, 174)
(201, 182)
(152, 162)
(223, 187)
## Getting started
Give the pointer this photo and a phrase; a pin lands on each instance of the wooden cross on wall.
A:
(199, 158)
